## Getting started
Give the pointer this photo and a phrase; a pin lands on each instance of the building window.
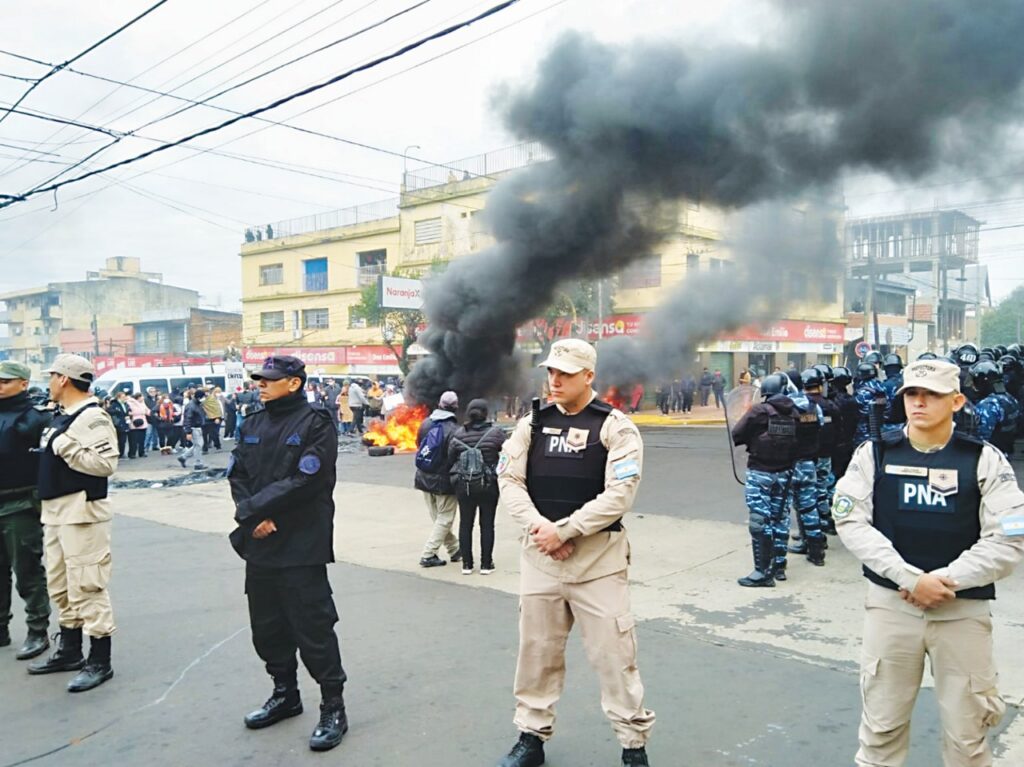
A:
(692, 262)
(427, 231)
(314, 319)
(271, 321)
(355, 320)
(272, 274)
(372, 264)
(643, 274)
(314, 275)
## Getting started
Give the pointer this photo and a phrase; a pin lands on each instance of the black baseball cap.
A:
(276, 368)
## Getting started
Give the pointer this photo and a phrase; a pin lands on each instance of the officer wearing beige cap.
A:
(567, 480)
(77, 454)
(936, 517)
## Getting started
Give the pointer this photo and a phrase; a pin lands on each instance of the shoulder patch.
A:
(503, 462)
(842, 507)
(309, 464)
(626, 469)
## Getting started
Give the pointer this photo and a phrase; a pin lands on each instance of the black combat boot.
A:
(816, 550)
(635, 757)
(332, 726)
(780, 570)
(762, 574)
(97, 668)
(284, 702)
(68, 656)
(35, 644)
(798, 543)
(828, 525)
(527, 752)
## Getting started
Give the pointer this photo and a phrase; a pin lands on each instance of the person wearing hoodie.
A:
(768, 430)
(433, 479)
(192, 421)
(479, 490)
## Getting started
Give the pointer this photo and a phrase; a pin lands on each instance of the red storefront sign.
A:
(370, 355)
(611, 325)
(146, 361)
(792, 330)
(311, 355)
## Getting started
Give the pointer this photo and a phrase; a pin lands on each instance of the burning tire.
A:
(377, 450)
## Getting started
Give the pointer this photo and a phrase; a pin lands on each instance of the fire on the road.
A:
(614, 398)
(399, 430)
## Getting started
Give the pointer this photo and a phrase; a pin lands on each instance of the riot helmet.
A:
(966, 355)
(1000, 351)
(866, 372)
(986, 355)
(776, 383)
(812, 377)
(794, 377)
(841, 376)
(927, 356)
(1009, 364)
(826, 371)
(1015, 350)
(873, 358)
(987, 378)
(892, 361)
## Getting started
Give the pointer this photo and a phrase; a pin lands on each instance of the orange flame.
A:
(399, 430)
(614, 398)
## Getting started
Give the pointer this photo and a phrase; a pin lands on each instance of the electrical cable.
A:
(11, 199)
(73, 59)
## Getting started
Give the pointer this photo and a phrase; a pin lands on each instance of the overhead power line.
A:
(11, 199)
(73, 59)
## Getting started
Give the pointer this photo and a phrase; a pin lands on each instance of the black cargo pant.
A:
(291, 608)
(487, 503)
(21, 552)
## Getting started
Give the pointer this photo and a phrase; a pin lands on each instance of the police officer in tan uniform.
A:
(78, 453)
(567, 481)
(935, 527)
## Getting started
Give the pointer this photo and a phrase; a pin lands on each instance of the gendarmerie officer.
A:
(78, 452)
(282, 475)
(567, 482)
(936, 517)
(21, 532)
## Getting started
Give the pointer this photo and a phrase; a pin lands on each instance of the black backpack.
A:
(470, 474)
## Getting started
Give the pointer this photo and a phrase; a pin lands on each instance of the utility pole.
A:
(94, 326)
(944, 302)
(870, 311)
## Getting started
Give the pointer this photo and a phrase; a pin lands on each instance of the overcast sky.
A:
(183, 211)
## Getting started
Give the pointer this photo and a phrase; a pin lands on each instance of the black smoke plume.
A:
(902, 88)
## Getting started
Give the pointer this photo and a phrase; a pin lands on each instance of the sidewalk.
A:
(699, 416)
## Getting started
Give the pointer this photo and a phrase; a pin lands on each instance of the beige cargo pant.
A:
(960, 653)
(442, 510)
(548, 609)
(77, 574)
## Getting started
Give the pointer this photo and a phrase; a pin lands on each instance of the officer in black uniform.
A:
(848, 414)
(21, 532)
(282, 474)
(814, 387)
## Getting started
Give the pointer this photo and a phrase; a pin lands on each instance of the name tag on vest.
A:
(919, 496)
(557, 446)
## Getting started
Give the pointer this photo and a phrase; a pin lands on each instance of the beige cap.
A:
(938, 376)
(73, 366)
(571, 355)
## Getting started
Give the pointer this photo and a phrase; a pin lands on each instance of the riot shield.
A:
(737, 402)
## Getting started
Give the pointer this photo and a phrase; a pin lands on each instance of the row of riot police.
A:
(992, 379)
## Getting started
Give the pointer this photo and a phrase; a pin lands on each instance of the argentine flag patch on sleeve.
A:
(1013, 526)
(626, 468)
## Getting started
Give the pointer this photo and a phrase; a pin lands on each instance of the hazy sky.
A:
(183, 211)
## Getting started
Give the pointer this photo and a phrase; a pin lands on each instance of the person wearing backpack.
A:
(433, 479)
(473, 453)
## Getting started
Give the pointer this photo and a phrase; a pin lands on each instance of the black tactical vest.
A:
(915, 506)
(20, 467)
(560, 479)
(776, 445)
(827, 434)
(807, 432)
(56, 478)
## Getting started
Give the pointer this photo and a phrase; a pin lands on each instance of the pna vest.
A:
(566, 469)
(56, 478)
(927, 504)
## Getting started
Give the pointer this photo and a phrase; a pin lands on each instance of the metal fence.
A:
(357, 214)
(481, 165)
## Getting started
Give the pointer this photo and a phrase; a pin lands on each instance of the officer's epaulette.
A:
(973, 439)
(600, 405)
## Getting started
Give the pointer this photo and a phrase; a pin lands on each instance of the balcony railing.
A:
(357, 214)
(315, 283)
(368, 274)
(481, 165)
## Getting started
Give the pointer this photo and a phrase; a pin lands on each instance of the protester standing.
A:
(117, 409)
(192, 421)
(433, 479)
(282, 475)
(138, 426)
(474, 476)
(214, 412)
(78, 454)
(21, 532)
(358, 403)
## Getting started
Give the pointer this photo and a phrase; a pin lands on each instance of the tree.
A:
(1004, 324)
(399, 327)
(568, 314)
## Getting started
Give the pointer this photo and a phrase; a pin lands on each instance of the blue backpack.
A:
(430, 455)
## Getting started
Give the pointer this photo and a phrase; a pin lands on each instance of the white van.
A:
(166, 379)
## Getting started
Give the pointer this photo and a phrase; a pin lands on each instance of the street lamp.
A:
(405, 161)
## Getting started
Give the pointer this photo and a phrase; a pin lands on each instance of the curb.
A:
(661, 420)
